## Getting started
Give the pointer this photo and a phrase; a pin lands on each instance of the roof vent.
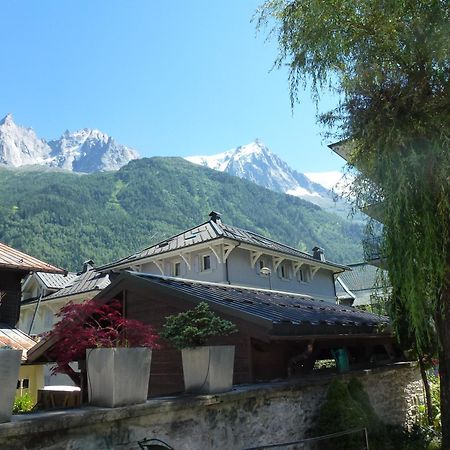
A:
(215, 217)
(318, 253)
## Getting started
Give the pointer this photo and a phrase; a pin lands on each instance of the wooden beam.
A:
(254, 255)
(227, 248)
(332, 337)
(158, 264)
(186, 259)
(216, 254)
(277, 260)
(297, 267)
(314, 271)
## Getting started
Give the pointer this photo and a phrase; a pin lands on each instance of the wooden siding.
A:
(10, 296)
(167, 371)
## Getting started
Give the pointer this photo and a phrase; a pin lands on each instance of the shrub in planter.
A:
(117, 351)
(206, 369)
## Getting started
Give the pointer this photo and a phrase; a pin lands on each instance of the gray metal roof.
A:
(364, 283)
(288, 314)
(210, 231)
(363, 276)
(56, 280)
(85, 282)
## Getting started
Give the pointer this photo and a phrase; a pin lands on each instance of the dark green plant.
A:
(23, 404)
(195, 327)
(340, 412)
(348, 406)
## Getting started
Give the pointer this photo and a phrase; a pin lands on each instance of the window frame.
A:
(202, 263)
(175, 265)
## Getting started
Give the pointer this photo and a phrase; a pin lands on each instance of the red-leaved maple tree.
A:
(94, 324)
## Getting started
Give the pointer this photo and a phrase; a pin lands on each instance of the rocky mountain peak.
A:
(256, 162)
(8, 120)
(86, 150)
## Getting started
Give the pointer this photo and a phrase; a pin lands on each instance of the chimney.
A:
(215, 217)
(318, 253)
(87, 265)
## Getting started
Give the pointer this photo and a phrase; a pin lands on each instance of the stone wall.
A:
(246, 417)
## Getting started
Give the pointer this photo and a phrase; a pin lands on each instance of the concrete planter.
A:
(9, 373)
(118, 376)
(208, 370)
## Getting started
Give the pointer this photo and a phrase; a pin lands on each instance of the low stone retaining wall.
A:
(248, 416)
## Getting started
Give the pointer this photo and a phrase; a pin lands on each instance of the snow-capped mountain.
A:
(255, 162)
(90, 150)
(85, 150)
(20, 146)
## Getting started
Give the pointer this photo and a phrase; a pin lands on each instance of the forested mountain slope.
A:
(66, 218)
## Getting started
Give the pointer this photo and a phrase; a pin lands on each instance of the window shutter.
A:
(213, 262)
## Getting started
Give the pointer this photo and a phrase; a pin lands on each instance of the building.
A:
(43, 296)
(216, 252)
(280, 334)
(14, 266)
(364, 286)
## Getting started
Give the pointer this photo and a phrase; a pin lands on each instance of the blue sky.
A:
(167, 78)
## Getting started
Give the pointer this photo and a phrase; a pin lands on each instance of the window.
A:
(25, 383)
(283, 271)
(261, 265)
(206, 263)
(176, 269)
(303, 275)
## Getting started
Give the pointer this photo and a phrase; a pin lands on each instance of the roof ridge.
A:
(271, 240)
(149, 247)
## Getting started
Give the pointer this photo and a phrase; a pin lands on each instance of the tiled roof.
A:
(209, 231)
(363, 276)
(11, 258)
(12, 337)
(85, 282)
(56, 280)
(285, 313)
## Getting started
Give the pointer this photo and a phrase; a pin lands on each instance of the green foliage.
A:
(23, 404)
(195, 327)
(436, 404)
(389, 62)
(66, 218)
(340, 412)
(347, 406)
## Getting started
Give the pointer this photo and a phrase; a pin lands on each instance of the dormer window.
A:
(206, 263)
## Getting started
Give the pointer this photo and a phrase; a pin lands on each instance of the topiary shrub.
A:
(195, 327)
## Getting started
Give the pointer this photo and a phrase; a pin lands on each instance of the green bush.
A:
(23, 404)
(195, 327)
(348, 406)
(340, 412)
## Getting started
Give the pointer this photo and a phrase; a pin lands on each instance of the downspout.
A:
(35, 312)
